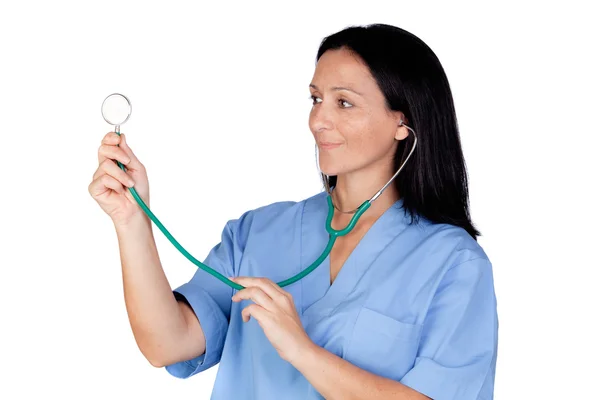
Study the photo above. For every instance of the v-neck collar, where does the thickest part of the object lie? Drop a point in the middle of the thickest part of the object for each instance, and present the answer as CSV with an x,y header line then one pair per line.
x,y
317,291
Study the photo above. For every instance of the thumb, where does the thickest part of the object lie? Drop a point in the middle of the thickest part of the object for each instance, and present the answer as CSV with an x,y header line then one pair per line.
x,y
123,143
135,163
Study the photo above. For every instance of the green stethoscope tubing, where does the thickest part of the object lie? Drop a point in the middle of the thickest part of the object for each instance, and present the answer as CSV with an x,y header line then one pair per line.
x,y
333,235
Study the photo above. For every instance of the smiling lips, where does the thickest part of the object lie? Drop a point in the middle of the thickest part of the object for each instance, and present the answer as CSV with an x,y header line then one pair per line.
x,y
328,145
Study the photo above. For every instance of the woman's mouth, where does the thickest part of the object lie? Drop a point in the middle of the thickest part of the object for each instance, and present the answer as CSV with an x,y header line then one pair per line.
x,y
328,145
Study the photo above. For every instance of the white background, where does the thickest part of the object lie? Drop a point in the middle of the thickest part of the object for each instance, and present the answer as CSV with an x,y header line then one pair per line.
x,y
220,119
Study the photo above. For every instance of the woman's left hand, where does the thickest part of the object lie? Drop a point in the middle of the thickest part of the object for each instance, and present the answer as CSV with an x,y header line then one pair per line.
x,y
275,312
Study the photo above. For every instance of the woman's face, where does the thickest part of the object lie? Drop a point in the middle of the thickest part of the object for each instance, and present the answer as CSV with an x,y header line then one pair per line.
x,y
349,119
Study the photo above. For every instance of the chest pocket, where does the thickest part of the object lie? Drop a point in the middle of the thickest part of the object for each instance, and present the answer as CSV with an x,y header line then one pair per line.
x,y
383,345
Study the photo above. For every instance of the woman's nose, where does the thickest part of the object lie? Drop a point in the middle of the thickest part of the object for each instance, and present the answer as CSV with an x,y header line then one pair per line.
x,y
320,118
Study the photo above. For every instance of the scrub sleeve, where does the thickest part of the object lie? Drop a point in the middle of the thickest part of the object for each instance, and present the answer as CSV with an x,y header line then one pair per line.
x,y
210,299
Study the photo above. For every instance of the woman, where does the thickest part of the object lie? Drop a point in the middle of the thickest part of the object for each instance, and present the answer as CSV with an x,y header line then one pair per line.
x,y
404,307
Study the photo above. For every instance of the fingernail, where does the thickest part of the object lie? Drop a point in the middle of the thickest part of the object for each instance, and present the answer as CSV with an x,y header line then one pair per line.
x,y
131,183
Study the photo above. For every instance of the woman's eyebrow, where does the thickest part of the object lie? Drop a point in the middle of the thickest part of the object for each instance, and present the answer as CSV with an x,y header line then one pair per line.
x,y
337,88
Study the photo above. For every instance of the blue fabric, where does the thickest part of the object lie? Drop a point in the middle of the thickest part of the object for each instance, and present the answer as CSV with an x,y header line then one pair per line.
x,y
413,302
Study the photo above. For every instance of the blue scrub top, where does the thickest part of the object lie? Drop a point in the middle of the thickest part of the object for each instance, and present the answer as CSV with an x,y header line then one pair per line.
x,y
414,303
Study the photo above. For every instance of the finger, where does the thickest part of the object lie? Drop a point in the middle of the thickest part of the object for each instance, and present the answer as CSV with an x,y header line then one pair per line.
x,y
104,183
120,141
257,295
112,152
256,311
280,296
270,287
110,168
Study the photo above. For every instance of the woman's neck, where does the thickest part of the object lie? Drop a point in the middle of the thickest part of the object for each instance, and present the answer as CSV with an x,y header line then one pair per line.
x,y
351,190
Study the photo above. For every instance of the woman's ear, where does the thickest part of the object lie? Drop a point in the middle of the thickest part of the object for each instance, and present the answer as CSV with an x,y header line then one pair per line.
x,y
401,131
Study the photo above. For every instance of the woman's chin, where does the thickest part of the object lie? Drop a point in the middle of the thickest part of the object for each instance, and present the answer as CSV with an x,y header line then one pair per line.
x,y
331,173
329,170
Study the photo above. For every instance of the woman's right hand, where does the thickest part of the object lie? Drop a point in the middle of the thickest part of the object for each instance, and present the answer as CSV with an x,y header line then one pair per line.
x,y
110,184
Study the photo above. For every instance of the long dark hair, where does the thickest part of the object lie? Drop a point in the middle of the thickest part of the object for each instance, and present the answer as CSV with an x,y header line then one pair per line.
x,y
433,183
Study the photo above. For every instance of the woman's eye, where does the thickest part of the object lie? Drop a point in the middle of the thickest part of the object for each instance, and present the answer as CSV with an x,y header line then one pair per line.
x,y
342,102
314,99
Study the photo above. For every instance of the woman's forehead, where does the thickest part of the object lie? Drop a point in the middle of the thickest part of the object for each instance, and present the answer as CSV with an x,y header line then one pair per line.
x,y
341,69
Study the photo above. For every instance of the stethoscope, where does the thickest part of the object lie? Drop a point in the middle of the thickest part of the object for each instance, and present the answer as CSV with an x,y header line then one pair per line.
x,y
117,107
